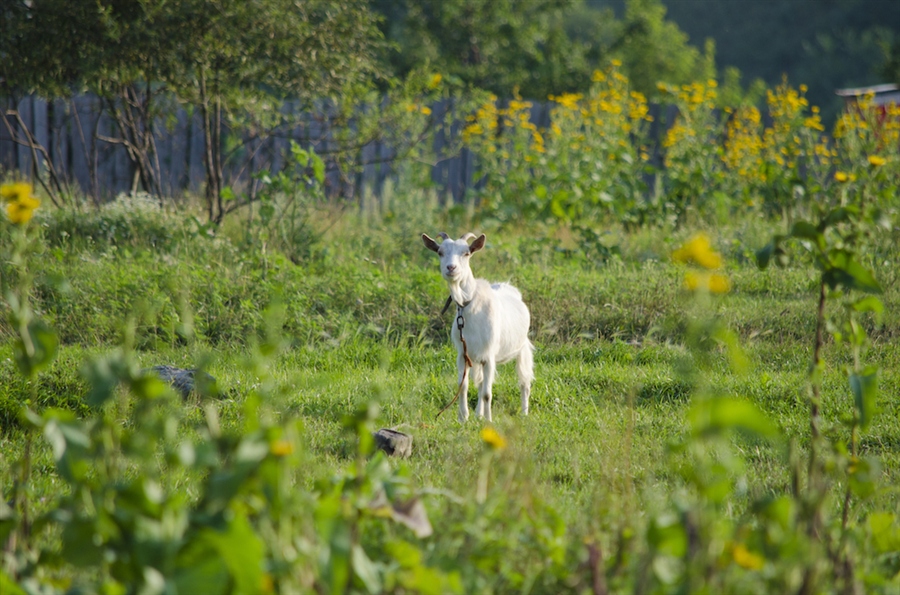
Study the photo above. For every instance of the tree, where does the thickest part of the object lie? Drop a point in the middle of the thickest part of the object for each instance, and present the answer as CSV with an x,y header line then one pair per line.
x,y
496,45
655,50
236,57
221,57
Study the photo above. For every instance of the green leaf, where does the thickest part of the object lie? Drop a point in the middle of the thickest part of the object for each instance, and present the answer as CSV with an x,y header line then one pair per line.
x,y
764,255
885,534
806,231
104,375
199,569
8,586
838,215
667,535
266,212
865,390
44,345
870,303
242,551
863,475
718,415
365,570
844,270
404,553
318,168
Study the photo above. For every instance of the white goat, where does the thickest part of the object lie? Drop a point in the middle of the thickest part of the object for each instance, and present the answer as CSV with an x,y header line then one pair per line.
x,y
494,322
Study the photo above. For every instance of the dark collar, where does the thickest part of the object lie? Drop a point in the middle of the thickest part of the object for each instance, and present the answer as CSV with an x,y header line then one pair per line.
x,y
450,301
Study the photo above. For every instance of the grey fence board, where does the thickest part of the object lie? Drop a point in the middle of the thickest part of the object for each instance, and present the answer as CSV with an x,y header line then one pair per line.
x,y
41,127
22,149
59,138
196,149
79,139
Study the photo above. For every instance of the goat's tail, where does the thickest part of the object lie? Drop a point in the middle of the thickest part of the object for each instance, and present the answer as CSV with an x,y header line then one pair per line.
x,y
525,365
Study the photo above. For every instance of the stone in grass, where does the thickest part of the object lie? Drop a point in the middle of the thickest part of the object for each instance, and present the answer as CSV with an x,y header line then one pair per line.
x,y
183,380
394,443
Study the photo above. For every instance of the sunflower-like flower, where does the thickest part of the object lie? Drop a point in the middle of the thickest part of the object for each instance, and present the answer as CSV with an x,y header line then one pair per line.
x,y
493,439
711,282
877,160
20,203
698,250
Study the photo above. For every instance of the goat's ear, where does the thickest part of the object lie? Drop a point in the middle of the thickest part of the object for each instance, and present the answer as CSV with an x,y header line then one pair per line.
x,y
429,243
478,244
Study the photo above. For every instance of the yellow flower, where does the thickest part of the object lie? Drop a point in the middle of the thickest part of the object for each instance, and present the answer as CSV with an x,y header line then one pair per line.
x,y
436,79
20,203
493,439
745,558
876,160
15,192
425,110
840,176
281,448
697,250
711,282
719,283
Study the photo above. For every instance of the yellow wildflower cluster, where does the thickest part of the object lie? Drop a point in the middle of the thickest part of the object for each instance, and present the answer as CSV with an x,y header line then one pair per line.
x,y
743,150
795,135
20,203
602,128
698,251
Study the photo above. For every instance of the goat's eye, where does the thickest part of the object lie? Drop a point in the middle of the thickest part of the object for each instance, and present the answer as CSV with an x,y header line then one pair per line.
x,y
440,252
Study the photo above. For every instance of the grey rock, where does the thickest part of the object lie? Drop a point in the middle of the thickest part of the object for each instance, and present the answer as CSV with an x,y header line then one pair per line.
x,y
394,443
184,380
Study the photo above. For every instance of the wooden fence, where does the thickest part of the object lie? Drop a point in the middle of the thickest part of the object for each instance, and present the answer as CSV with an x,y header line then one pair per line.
x,y
72,130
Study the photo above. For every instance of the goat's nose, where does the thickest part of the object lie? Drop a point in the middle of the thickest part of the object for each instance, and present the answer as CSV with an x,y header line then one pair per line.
x,y
451,268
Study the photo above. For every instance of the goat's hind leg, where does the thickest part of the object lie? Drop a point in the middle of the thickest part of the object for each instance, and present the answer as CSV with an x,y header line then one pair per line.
x,y
476,375
525,372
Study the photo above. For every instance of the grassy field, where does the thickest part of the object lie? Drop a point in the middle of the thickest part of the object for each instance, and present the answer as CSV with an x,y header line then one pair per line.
x,y
605,457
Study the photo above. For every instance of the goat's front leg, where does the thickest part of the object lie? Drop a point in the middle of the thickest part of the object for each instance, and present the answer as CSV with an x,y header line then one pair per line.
x,y
462,384
489,370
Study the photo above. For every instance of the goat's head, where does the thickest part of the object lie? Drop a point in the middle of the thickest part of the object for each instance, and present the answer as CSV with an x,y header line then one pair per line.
x,y
455,253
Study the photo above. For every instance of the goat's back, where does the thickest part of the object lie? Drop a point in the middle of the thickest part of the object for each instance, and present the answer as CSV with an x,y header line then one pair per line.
x,y
507,334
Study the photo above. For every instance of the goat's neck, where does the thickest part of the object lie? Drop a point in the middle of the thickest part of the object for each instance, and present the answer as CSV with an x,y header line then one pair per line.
x,y
463,290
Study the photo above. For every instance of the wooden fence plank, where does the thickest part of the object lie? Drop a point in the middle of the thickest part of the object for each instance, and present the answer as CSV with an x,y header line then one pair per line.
x,y
41,129
196,170
105,156
8,155
59,139
23,160
79,139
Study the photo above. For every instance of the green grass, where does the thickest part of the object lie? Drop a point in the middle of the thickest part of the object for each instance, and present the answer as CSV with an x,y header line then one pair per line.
x,y
361,322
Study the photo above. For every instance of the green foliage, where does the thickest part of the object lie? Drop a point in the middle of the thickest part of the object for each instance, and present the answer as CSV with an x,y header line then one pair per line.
x,y
661,453
488,44
655,50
